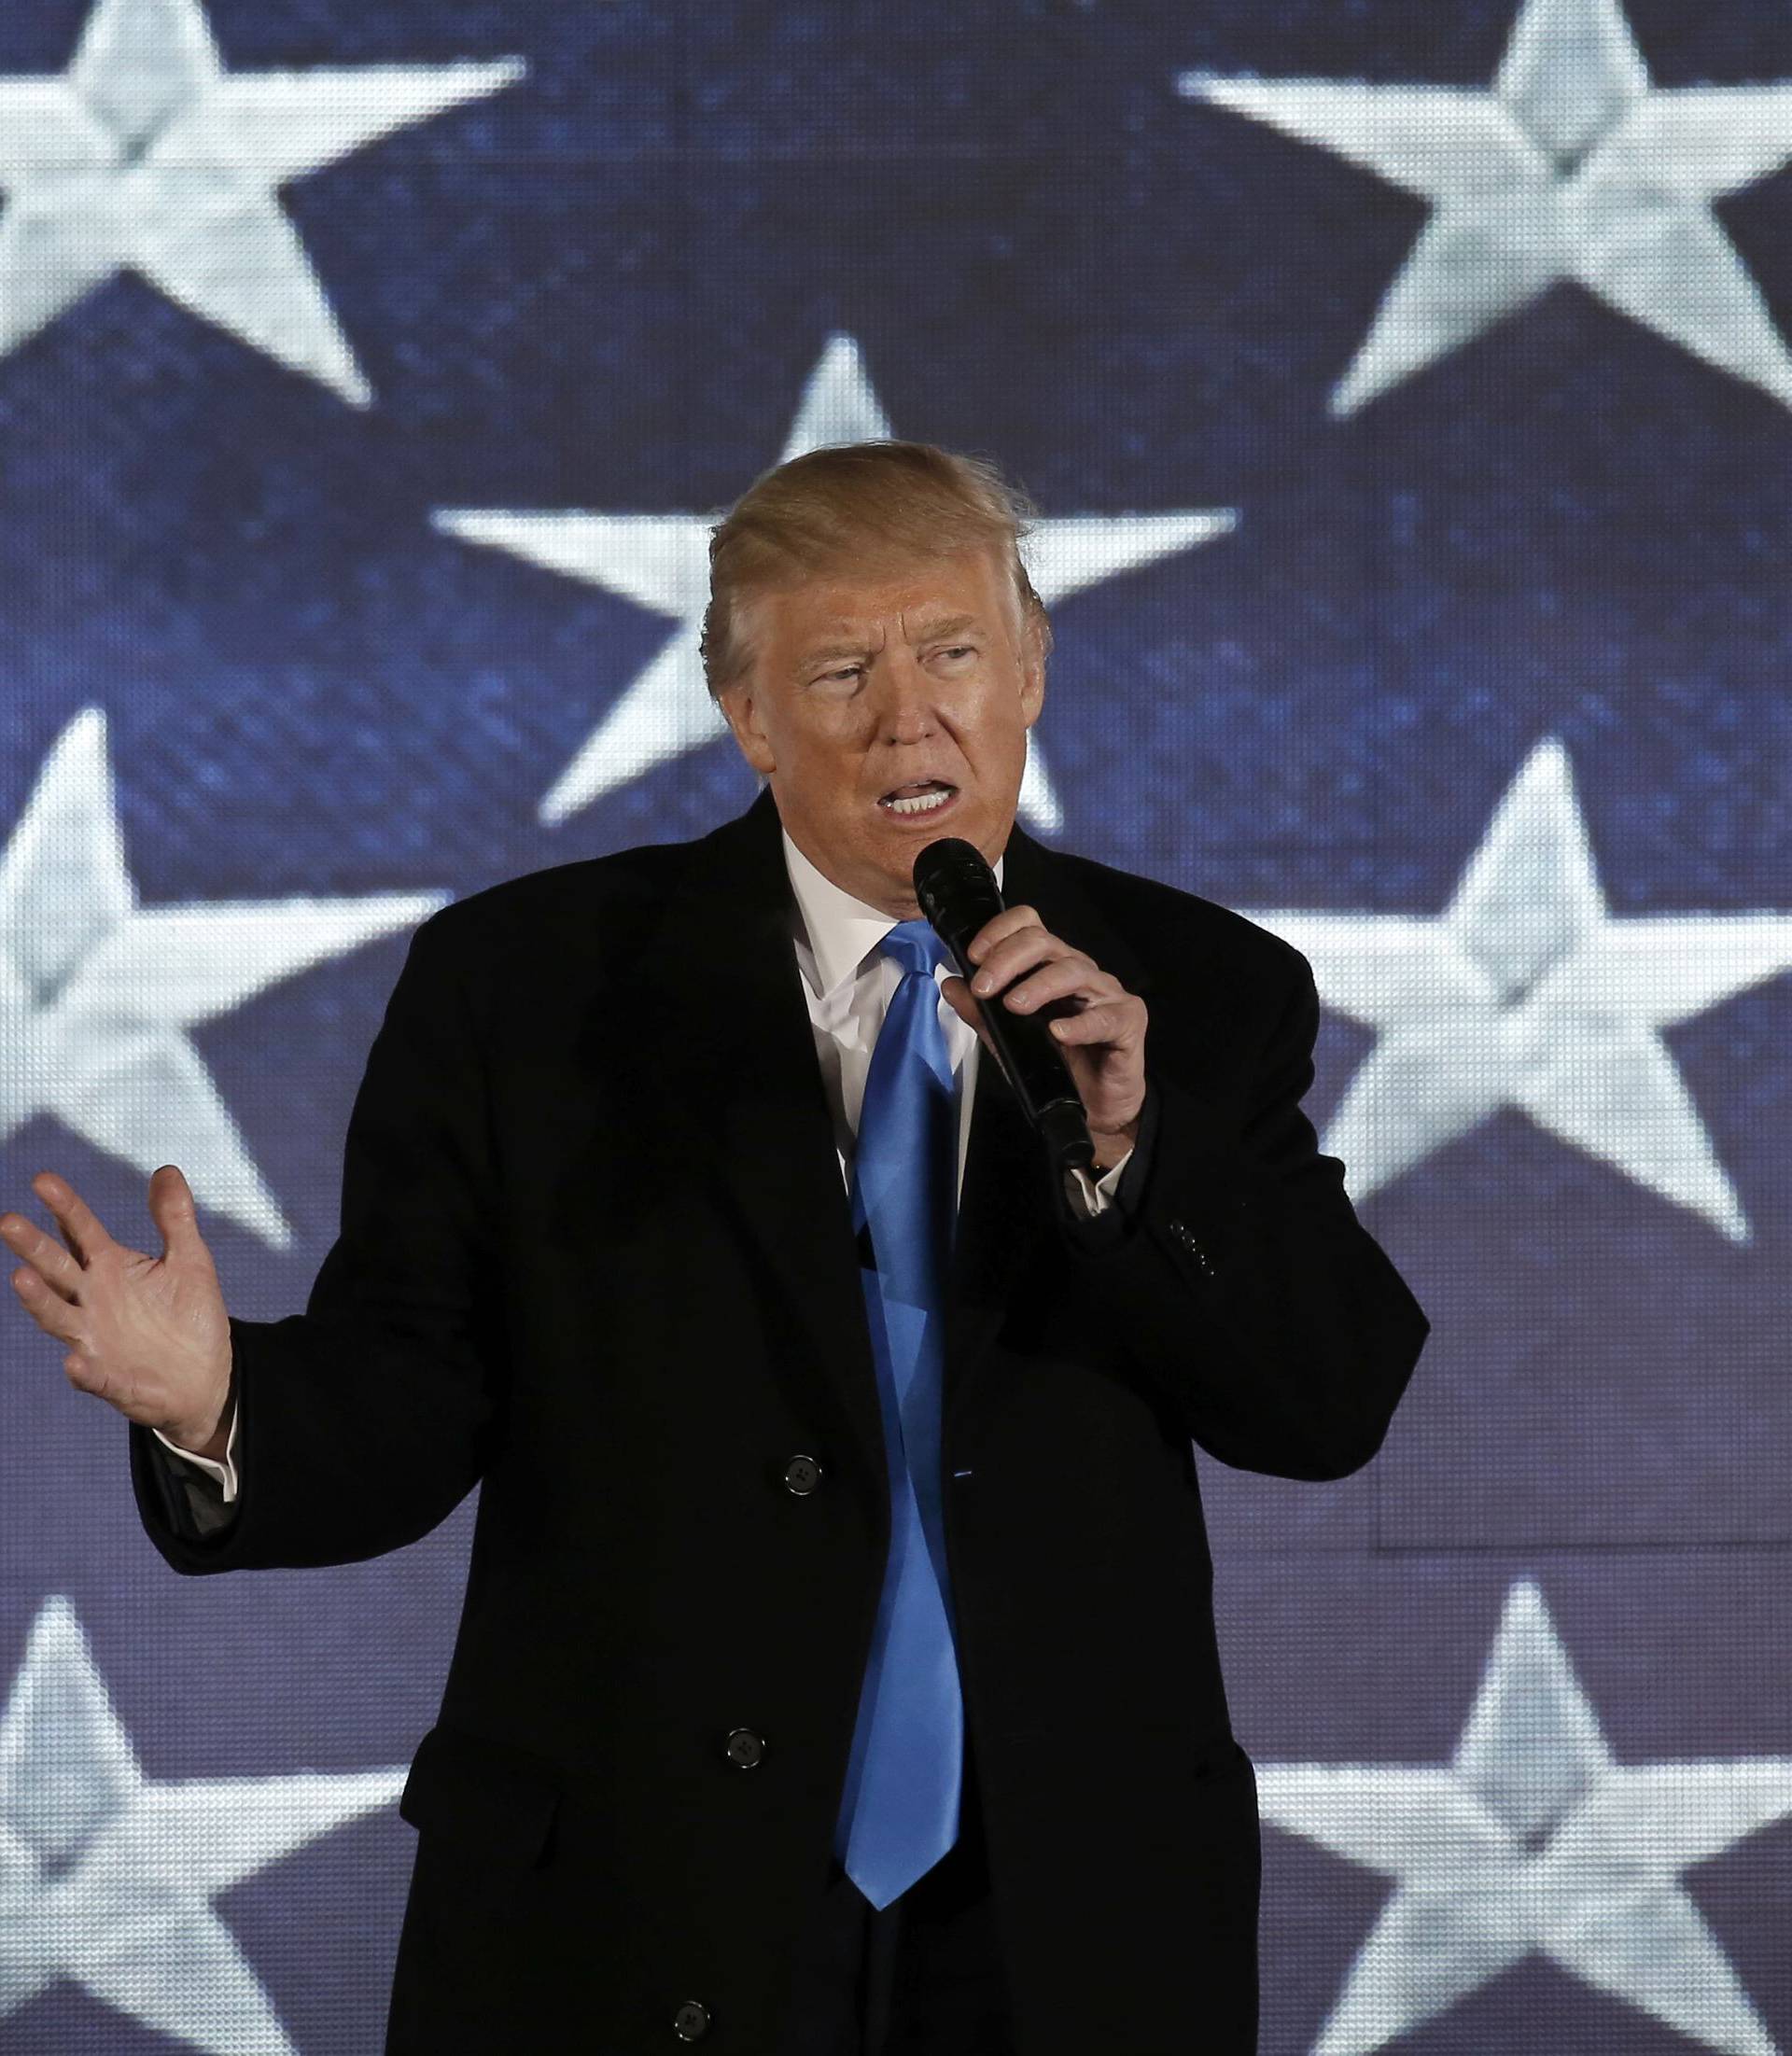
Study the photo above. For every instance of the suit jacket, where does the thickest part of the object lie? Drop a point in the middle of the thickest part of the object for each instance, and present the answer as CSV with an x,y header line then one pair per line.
x,y
595,1257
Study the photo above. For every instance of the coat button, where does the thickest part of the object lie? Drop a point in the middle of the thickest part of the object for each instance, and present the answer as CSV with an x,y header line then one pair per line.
x,y
691,2020
1181,1231
742,1748
801,1473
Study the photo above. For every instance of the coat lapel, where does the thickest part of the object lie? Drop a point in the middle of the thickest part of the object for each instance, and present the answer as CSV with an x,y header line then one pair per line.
x,y
738,1056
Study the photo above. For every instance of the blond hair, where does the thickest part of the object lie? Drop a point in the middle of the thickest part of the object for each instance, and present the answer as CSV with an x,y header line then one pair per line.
x,y
850,505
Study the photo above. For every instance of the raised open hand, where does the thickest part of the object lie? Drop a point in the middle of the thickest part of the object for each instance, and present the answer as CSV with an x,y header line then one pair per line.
x,y
148,1335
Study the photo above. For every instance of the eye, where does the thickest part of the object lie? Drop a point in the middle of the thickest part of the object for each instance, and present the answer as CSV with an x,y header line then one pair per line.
x,y
957,652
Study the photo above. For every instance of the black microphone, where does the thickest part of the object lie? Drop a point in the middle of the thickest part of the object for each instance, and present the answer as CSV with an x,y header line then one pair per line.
x,y
959,894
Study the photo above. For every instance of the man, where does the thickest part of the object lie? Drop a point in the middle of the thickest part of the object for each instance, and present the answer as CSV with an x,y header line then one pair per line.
x,y
837,1673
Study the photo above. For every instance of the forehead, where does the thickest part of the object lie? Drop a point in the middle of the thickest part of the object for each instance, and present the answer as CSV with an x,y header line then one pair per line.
x,y
893,599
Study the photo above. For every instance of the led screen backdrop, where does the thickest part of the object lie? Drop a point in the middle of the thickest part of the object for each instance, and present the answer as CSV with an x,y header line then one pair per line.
x,y
1406,389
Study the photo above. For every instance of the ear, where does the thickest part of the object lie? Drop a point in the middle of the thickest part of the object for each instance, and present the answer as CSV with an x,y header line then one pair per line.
x,y
1032,669
739,705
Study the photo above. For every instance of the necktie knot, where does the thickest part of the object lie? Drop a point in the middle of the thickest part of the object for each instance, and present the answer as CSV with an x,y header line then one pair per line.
x,y
915,946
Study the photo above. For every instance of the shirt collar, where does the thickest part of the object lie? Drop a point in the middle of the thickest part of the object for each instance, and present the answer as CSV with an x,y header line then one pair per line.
x,y
841,931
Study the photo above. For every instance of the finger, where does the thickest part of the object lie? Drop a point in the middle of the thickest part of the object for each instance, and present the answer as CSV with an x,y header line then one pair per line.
x,y
957,997
79,1223
48,1309
1017,954
1119,1022
54,1265
1009,922
173,1210
1064,978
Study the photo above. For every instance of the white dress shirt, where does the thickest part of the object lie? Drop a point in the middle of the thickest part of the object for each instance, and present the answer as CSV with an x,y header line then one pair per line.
x,y
849,984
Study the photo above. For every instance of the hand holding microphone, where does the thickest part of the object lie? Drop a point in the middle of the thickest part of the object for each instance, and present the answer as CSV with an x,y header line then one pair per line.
x,y
1067,1035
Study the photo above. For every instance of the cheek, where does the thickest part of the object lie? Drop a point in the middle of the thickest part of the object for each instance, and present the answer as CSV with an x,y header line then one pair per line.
x,y
823,767
997,733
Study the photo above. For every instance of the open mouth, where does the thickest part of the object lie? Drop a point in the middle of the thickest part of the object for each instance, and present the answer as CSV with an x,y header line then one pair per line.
x,y
919,798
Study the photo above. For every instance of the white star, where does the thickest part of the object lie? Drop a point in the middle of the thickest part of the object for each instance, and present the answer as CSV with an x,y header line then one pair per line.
x,y
1535,1841
106,1878
95,990
1571,167
1527,992
146,156
662,563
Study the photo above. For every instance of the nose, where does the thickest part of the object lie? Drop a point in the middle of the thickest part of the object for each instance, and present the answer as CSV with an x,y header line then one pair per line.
x,y
905,705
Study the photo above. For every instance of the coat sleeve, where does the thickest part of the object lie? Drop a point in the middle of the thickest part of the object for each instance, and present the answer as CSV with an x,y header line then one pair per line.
x,y
364,1422
1239,1280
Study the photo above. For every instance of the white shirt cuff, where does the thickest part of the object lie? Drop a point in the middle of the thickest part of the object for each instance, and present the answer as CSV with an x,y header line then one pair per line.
x,y
223,1474
1091,1196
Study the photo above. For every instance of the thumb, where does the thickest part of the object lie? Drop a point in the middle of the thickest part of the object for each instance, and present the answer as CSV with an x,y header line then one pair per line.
x,y
958,998
172,1209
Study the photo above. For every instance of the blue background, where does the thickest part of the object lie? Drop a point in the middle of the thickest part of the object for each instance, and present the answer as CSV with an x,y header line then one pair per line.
x,y
604,287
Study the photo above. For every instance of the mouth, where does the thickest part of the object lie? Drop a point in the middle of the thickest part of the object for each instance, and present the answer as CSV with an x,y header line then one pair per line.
x,y
920,800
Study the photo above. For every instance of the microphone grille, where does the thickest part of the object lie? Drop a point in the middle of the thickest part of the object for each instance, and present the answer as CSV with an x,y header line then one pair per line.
x,y
950,853
955,887
949,861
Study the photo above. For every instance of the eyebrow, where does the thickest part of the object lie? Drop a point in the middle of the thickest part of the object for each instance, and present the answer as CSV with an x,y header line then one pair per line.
x,y
827,652
847,645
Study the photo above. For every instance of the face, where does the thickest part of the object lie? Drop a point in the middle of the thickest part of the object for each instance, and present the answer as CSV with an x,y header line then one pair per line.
x,y
890,710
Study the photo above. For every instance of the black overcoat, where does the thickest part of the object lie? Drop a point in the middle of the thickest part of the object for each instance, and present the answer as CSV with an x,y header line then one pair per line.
x,y
595,1257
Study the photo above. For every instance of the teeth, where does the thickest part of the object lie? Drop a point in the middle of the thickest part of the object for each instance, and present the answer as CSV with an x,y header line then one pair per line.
x,y
923,802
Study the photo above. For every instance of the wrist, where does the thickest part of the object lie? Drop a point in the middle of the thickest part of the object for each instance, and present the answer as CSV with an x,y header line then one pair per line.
x,y
1111,1146
213,1443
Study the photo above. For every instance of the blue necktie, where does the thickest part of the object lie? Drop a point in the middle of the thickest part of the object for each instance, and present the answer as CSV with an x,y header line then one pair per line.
x,y
900,1813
